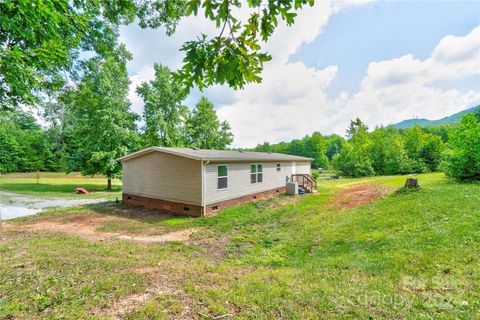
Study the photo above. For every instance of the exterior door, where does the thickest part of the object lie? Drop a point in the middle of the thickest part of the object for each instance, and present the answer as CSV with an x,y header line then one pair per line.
x,y
294,167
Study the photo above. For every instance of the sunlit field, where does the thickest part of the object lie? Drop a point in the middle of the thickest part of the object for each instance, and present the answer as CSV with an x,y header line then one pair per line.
x,y
410,255
59,185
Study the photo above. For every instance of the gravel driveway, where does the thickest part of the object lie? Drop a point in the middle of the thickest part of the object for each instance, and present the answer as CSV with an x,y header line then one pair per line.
x,y
14,205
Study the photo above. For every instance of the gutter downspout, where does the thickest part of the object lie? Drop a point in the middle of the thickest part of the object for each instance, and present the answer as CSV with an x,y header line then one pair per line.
x,y
203,185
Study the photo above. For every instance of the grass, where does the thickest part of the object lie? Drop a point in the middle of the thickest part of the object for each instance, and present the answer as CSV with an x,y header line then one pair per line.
x,y
412,255
59,185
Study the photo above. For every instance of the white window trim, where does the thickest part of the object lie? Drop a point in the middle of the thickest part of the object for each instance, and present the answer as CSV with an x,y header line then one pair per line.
x,y
228,176
256,173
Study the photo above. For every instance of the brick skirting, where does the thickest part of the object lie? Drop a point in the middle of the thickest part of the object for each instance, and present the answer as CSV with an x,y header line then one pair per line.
x,y
169,206
215,207
193,210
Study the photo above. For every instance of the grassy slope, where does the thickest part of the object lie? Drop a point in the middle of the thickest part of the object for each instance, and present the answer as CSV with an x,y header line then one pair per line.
x,y
59,185
406,256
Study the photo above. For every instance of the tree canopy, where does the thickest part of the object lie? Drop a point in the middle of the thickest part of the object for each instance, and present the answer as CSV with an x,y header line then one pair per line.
x,y
204,129
41,40
383,151
102,125
463,161
163,113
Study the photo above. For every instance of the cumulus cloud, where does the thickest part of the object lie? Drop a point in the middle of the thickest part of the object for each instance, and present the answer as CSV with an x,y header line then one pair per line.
x,y
400,88
292,101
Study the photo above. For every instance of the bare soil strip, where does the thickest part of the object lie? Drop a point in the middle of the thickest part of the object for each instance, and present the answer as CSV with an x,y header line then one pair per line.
x,y
86,228
357,195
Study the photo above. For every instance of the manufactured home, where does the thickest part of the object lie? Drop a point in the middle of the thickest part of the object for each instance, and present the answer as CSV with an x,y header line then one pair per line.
x,y
200,182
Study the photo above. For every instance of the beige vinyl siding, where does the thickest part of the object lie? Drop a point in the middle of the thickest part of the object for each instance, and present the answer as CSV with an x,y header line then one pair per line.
x,y
303,168
163,176
239,179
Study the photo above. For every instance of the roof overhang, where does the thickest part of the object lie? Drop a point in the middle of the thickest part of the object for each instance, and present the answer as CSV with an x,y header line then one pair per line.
x,y
153,149
219,159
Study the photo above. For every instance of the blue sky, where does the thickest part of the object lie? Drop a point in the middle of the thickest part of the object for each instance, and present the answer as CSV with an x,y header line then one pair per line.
x,y
385,30
381,61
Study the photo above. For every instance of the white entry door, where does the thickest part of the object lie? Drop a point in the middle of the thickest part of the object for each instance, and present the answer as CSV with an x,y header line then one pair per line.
x,y
294,167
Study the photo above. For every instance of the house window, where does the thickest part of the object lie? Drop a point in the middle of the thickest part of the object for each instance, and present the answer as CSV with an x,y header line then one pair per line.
x,y
256,173
222,177
279,168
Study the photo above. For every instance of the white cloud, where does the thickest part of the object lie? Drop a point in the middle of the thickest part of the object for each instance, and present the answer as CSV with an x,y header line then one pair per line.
x,y
309,23
291,101
400,88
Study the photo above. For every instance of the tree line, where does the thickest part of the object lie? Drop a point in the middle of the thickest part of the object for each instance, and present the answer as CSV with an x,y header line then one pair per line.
x,y
451,148
89,124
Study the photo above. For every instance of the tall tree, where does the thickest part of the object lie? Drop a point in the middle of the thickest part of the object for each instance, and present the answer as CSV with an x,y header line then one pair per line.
x,y
334,145
463,162
163,114
357,129
387,152
42,39
24,144
354,160
205,131
103,127
316,148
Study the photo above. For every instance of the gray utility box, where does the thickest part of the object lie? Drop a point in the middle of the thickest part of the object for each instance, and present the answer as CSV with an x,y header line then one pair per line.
x,y
292,187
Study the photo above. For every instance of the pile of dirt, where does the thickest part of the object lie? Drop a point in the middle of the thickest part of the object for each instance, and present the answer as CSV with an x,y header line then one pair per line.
x,y
357,195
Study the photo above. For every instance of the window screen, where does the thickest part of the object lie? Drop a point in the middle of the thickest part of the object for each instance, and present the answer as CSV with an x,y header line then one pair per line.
x,y
222,174
256,173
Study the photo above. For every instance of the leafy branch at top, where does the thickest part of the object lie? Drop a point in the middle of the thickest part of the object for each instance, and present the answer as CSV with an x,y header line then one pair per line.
x,y
40,40
235,59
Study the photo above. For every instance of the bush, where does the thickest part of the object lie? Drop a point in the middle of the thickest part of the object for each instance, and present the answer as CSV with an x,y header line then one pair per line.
x,y
315,174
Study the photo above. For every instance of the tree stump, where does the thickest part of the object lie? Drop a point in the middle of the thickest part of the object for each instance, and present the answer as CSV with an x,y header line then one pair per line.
x,y
411,183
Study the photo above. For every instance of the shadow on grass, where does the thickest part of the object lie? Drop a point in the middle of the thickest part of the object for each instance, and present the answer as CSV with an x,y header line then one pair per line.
x,y
137,213
61,188
235,217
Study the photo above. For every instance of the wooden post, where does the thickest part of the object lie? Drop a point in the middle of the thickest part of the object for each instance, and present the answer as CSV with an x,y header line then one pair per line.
x,y
411,183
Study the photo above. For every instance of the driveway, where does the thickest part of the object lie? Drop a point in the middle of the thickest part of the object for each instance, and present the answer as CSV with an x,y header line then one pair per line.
x,y
14,205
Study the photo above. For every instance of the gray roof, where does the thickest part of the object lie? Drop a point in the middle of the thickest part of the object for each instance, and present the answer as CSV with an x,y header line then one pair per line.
x,y
218,155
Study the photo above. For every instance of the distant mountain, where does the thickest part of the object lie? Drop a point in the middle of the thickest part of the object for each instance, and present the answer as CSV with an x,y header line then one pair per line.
x,y
426,123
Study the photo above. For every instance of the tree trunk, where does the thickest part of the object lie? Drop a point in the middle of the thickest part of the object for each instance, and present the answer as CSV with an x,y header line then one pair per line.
x,y
411,183
109,184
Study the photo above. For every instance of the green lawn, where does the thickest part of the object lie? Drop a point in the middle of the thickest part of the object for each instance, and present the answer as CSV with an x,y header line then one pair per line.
x,y
413,255
59,185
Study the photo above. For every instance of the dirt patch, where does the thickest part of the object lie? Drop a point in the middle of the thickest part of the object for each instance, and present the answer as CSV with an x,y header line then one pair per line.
x,y
86,227
78,226
167,282
163,282
358,195
215,250
182,235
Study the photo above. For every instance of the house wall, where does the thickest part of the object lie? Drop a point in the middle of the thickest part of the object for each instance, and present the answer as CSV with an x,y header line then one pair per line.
x,y
159,175
239,179
304,167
